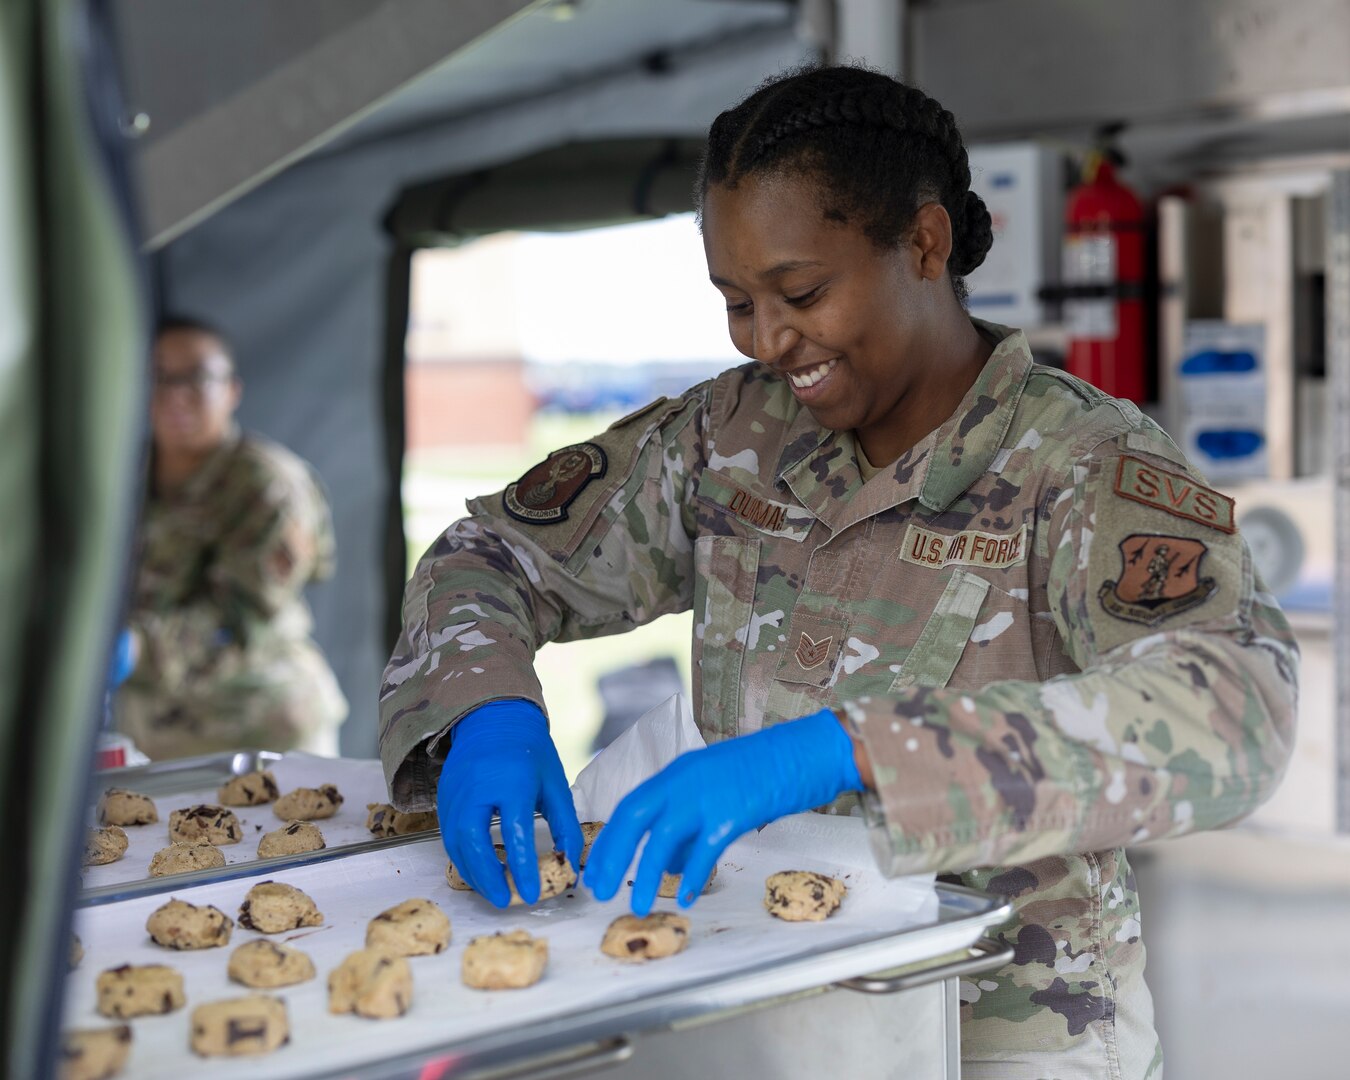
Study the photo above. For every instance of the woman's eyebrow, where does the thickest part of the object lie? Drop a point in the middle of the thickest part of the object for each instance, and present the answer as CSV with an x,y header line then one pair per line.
x,y
773,271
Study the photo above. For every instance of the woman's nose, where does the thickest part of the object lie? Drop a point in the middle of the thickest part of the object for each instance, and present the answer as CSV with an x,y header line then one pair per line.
x,y
773,337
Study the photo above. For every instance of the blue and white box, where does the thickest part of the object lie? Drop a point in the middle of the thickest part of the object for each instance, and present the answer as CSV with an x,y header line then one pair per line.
x,y
1222,385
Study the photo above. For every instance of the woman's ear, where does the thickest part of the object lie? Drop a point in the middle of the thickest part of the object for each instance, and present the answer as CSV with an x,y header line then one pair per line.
x,y
932,239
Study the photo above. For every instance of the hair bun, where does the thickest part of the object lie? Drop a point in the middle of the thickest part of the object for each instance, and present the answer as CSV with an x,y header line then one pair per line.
x,y
974,236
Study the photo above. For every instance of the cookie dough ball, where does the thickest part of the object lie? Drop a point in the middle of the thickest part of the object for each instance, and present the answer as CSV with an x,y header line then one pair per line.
x,y
139,990
249,789
372,983
455,879
118,806
182,858
556,876
662,933
76,951
94,1053
589,831
504,961
308,804
383,820
214,824
291,839
272,907
104,845
269,964
256,1024
180,925
803,895
413,928
670,884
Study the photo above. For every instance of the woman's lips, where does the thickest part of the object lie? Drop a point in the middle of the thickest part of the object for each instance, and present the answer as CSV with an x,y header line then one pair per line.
x,y
810,383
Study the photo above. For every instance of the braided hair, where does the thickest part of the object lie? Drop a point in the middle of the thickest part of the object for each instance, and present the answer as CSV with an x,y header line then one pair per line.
x,y
877,148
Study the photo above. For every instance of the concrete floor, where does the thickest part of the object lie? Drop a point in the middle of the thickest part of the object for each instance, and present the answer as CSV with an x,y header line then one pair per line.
x,y
1249,954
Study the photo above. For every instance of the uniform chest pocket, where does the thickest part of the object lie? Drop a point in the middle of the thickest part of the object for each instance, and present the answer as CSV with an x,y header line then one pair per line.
x,y
946,634
726,569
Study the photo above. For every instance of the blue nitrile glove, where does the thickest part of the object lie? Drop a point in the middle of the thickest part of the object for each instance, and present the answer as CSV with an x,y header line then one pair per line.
x,y
123,660
703,800
501,758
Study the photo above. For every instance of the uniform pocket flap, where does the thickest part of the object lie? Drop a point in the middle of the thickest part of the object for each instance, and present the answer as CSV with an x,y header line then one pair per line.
x,y
945,634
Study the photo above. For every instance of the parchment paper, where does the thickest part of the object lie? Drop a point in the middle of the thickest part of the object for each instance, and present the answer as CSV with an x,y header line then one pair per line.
x,y
730,930
656,739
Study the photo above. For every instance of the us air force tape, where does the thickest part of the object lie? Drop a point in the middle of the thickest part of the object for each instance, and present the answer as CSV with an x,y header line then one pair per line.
x,y
542,495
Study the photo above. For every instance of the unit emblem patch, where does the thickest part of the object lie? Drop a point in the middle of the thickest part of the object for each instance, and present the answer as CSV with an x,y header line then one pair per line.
x,y
542,495
1159,578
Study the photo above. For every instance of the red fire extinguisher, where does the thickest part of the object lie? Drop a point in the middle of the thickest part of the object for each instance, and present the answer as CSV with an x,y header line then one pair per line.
x,y
1104,279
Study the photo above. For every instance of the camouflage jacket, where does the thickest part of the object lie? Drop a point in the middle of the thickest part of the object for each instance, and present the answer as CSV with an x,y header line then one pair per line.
x,y
1041,624
226,659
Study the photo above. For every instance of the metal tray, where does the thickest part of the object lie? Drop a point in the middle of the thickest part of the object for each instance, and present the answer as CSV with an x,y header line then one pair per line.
x,y
200,776
560,1036
181,775
584,1044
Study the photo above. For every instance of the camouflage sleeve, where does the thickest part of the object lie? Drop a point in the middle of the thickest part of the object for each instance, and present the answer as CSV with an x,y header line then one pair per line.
x,y
594,540
280,541
1181,718
176,643
278,536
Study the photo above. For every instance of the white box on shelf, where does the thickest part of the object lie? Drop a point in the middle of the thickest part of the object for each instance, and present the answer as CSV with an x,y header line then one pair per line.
x,y
1021,184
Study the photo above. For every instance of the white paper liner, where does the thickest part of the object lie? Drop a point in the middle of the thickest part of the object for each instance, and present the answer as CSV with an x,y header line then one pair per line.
x,y
359,782
656,739
730,931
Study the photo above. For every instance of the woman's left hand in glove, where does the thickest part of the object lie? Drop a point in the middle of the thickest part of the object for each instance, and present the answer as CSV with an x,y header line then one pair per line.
x,y
697,805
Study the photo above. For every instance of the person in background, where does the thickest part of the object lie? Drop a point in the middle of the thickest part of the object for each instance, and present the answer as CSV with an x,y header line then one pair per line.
x,y
234,528
977,600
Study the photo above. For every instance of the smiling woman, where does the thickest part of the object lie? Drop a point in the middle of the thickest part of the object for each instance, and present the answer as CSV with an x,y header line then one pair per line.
x,y
933,583
869,338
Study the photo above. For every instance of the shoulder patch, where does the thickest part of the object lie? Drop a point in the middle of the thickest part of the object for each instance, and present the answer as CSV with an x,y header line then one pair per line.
x,y
1159,577
542,495
1174,494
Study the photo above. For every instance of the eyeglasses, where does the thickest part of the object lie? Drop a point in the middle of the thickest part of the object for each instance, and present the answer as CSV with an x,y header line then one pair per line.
x,y
194,382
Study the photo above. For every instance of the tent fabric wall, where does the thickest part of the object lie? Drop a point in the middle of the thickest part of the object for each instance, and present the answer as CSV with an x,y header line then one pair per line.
x,y
71,407
294,274
297,272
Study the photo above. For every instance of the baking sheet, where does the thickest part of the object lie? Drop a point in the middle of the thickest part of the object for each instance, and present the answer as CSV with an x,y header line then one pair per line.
x,y
730,933
359,781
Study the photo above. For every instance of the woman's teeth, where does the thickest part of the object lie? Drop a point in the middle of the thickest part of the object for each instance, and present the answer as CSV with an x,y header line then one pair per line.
x,y
804,379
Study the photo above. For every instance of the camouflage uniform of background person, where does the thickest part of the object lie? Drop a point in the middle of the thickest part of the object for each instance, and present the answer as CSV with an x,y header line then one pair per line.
x,y
234,528
1042,629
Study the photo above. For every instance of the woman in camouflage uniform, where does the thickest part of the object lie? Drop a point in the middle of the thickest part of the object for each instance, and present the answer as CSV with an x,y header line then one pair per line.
x,y
986,605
